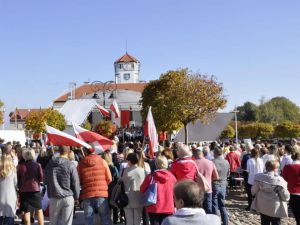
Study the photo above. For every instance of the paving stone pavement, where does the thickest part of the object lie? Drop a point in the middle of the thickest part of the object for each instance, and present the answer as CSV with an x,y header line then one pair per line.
x,y
236,204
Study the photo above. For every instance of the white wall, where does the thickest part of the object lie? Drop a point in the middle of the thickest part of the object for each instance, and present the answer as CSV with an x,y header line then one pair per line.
x,y
134,73
13,135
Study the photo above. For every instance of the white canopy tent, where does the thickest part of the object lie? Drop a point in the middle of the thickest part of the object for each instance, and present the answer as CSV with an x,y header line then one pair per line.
x,y
77,110
205,132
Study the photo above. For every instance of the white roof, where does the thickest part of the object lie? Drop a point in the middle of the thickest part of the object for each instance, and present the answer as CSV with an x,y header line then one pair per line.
x,y
77,110
205,132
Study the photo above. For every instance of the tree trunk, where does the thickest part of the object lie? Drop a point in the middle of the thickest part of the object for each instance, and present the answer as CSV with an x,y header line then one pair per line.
x,y
186,133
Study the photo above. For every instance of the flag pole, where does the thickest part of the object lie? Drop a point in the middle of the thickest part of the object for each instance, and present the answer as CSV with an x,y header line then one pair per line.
x,y
82,152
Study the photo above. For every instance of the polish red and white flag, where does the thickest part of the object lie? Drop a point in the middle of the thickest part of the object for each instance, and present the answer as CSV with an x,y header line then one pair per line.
x,y
100,142
114,107
102,110
59,138
151,133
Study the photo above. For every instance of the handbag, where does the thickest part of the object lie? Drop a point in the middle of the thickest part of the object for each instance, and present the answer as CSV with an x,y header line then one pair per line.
x,y
150,195
200,179
202,182
119,199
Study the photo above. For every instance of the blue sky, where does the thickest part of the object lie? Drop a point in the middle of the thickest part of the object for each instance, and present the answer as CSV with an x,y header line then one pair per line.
x,y
252,47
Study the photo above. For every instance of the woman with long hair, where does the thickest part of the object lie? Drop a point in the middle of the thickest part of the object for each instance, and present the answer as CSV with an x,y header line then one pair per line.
x,y
30,175
167,152
255,165
142,163
8,186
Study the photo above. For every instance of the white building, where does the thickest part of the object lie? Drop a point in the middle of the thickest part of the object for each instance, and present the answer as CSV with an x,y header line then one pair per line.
x,y
126,89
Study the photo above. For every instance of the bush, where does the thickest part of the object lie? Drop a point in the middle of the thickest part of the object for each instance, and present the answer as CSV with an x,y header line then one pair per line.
x,y
228,132
87,125
287,129
256,130
106,129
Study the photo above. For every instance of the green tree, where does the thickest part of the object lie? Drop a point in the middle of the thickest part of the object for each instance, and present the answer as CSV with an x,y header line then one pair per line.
x,y
278,110
185,97
287,129
1,113
228,132
248,112
36,120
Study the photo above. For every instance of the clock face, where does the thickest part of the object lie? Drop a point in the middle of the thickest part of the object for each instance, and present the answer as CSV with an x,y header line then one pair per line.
x,y
126,76
126,66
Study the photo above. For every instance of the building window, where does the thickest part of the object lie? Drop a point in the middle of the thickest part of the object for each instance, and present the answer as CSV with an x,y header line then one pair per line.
x,y
132,65
121,66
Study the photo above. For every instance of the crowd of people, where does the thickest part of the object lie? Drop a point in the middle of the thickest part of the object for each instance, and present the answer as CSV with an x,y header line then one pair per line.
x,y
181,185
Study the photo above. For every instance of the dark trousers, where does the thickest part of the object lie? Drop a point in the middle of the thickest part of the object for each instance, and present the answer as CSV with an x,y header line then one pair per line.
x,y
145,217
157,218
115,212
248,189
295,206
267,220
6,220
249,194
232,181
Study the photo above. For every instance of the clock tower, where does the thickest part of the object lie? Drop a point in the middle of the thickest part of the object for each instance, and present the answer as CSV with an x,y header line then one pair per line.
x,y
127,69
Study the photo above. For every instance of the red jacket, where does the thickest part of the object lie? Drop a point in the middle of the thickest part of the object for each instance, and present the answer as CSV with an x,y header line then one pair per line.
x,y
94,175
291,173
184,168
234,161
165,182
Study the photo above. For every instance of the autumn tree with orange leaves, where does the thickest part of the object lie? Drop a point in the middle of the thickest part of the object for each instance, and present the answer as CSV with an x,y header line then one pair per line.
x,y
36,120
182,96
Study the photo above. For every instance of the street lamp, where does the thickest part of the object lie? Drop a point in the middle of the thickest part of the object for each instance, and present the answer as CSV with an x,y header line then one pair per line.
x,y
235,111
3,114
105,86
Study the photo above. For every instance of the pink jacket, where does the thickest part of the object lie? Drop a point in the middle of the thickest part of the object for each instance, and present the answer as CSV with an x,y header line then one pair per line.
x,y
165,182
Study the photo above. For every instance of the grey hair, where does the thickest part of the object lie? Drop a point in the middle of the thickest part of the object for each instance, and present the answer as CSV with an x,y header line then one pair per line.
x,y
28,154
161,162
249,147
183,151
